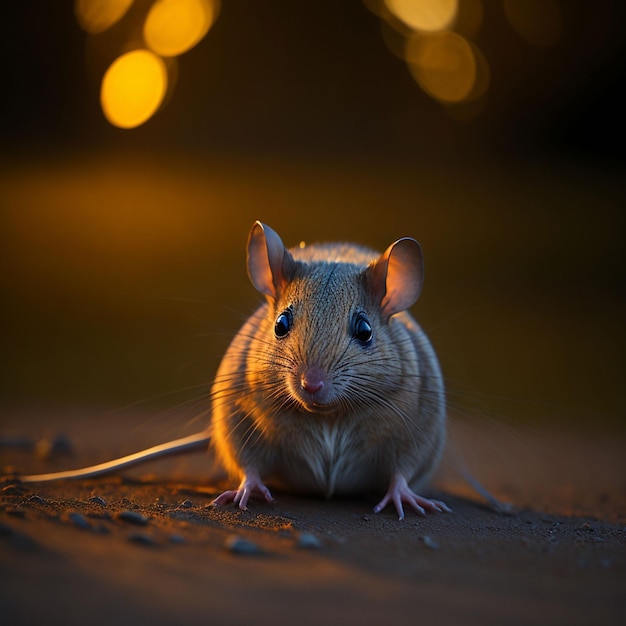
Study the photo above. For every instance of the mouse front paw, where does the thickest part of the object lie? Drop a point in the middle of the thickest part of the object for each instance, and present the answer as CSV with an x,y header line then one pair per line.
x,y
399,492
251,485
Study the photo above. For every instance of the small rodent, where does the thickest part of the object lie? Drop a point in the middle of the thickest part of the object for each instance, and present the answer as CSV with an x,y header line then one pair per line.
x,y
330,387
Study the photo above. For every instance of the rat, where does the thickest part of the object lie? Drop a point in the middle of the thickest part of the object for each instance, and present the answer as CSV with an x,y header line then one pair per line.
x,y
330,388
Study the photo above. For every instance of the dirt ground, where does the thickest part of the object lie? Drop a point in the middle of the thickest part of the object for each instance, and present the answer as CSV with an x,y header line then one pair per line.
x,y
149,548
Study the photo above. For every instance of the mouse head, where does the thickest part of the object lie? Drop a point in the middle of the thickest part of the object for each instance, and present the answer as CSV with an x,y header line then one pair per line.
x,y
330,311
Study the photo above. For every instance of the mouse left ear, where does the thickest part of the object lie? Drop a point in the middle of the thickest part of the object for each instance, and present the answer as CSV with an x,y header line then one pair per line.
x,y
396,278
270,266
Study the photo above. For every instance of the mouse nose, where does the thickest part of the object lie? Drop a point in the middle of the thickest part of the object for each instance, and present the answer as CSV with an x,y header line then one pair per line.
x,y
312,381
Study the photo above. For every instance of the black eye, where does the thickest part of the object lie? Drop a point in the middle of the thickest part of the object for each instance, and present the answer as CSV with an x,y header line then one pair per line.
x,y
283,324
362,330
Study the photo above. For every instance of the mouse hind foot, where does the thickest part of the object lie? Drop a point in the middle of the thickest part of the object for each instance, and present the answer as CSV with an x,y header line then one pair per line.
x,y
399,492
251,485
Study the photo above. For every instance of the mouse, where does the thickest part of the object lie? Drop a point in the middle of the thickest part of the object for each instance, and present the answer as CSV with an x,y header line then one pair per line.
x,y
329,388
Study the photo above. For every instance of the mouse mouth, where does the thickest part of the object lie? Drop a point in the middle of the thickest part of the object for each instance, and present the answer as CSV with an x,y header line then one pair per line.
x,y
311,406
313,402
313,390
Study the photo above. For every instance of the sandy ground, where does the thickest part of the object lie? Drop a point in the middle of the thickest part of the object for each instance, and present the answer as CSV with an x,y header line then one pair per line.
x,y
149,548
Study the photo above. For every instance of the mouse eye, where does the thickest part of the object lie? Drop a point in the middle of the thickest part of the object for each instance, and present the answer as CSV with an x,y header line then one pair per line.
x,y
362,331
283,324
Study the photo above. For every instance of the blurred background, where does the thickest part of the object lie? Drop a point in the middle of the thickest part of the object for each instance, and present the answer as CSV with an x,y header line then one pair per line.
x,y
140,141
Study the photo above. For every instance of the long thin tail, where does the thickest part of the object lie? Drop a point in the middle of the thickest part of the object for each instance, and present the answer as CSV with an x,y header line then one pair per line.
x,y
460,465
177,446
496,505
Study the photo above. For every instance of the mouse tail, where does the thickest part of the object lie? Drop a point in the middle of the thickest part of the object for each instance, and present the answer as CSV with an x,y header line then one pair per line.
x,y
177,446
498,506
461,467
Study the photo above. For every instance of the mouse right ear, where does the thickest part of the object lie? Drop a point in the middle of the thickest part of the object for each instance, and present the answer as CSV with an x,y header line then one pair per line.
x,y
270,266
396,277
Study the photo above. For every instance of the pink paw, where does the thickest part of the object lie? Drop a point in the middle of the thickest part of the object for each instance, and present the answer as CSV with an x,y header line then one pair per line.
x,y
399,492
251,485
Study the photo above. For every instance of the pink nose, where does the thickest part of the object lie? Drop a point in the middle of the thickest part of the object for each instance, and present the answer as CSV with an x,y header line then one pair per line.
x,y
312,381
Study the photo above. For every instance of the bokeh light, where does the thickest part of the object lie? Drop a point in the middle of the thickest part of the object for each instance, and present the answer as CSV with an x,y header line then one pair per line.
x,y
96,16
424,15
443,64
133,88
174,26
539,22
434,38
136,84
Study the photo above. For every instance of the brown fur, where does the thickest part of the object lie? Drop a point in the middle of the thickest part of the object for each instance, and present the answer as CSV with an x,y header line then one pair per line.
x,y
386,412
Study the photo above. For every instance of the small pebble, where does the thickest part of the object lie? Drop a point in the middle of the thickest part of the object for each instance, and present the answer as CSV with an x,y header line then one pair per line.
x,y
98,500
78,519
239,545
429,543
132,517
142,539
36,499
186,504
60,445
308,542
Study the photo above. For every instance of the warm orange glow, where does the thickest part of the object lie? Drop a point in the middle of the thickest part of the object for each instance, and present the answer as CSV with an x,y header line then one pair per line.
x,y
174,26
540,22
95,16
443,64
133,88
425,15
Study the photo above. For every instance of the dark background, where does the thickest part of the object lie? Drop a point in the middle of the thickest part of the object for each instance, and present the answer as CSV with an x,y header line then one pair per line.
x,y
123,273
316,77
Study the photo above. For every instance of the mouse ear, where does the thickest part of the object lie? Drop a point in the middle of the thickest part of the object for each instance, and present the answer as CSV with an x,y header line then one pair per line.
x,y
270,266
396,277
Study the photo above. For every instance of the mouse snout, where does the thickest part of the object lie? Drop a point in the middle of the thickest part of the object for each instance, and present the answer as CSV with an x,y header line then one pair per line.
x,y
312,387
312,381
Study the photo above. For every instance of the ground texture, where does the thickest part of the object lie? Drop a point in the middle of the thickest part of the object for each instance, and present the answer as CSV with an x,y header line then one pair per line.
x,y
149,548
